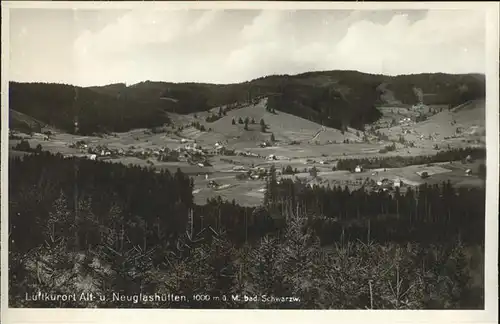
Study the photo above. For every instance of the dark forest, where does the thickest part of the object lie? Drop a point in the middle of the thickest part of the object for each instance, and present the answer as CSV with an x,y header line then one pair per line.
x,y
79,225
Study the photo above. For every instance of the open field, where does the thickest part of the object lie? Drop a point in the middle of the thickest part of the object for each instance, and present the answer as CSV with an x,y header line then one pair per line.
x,y
409,176
245,192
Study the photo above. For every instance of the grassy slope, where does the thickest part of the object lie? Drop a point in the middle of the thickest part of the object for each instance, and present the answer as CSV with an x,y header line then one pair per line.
x,y
469,116
20,121
284,126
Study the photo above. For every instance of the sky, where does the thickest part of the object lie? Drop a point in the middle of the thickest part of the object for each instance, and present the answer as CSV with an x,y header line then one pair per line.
x,y
97,47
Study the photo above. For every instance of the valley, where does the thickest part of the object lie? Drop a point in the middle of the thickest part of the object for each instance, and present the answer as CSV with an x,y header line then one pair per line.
x,y
231,160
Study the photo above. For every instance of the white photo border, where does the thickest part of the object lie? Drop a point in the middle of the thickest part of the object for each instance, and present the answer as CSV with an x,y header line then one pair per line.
x,y
488,315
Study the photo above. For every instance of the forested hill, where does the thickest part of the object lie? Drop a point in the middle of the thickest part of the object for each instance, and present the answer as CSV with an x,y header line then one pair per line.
x,y
333,98
60,105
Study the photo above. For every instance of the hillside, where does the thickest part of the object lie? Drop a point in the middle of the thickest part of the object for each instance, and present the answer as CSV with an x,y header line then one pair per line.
x,y
284,126
60,105
23,122
339,99
464,121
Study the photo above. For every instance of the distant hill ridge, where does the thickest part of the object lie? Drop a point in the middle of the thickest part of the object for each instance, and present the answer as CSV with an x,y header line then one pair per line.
x,y
337,99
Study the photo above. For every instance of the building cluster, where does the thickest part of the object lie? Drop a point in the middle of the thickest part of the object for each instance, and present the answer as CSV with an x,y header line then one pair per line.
x,y
406,121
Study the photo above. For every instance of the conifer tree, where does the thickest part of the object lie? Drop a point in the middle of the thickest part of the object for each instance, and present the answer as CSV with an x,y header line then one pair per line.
x,y
59,219
263,126
299,254
266,274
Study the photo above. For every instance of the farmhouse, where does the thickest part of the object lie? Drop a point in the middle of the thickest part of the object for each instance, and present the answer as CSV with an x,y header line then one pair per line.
x,y
468,172
423,174
271,157
265,144
219,148
212,184
384,182
358,169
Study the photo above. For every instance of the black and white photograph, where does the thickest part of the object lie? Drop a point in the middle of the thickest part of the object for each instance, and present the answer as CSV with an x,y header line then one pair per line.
x,y
246,158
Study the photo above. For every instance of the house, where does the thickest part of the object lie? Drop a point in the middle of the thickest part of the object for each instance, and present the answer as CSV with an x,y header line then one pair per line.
x,y
423,174
384,182
271,157
468,172
397,183
212,184
358,169
92,156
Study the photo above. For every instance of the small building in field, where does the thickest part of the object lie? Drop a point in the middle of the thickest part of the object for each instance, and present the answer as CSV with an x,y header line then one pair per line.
x,y
212,184
423,174
358,169
397,183
468,172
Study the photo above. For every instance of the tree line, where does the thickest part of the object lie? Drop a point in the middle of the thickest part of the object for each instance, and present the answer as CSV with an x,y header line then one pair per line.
x,y
426,214
87,199
456,154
